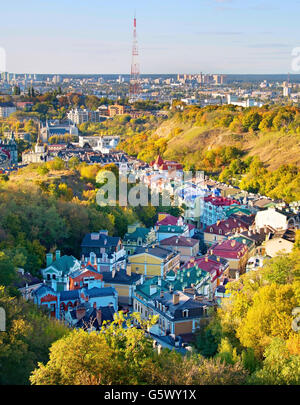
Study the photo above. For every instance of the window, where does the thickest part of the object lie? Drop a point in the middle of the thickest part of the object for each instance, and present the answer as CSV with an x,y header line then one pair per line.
x,y
54,277
185,313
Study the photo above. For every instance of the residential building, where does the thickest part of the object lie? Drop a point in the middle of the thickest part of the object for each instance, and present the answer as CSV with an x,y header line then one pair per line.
x,y
27,284
138,236
61,304
8,151
160,164
86,277
124,282
185,246
215,209
6,109
234,252
104,251
279,243
116,110
154,261
103,144
56,273
221,230
78,116
179,313
277,219
167,231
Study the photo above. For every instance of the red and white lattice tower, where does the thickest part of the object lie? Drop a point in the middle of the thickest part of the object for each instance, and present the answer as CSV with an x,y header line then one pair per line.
x,y
134,86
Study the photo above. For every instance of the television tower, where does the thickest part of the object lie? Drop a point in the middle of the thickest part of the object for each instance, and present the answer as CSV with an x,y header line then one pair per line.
x,y
134,85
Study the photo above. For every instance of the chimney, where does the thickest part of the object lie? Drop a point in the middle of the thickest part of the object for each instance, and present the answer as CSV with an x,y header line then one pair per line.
x,y
80,312
49,259
206,258
161,294
175,298
57,254
99,316
159,281
128,270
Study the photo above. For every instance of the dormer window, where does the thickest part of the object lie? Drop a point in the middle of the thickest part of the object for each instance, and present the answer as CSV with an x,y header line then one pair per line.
x,y
185,313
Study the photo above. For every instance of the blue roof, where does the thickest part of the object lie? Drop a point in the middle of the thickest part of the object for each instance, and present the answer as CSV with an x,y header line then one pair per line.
x,y
69,295
99,292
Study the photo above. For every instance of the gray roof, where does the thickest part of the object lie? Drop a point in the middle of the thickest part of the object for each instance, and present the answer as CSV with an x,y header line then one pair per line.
x,y
120,277
160,252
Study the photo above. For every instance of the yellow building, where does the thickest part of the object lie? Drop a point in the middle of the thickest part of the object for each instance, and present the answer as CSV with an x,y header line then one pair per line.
x,y
154,261
124,281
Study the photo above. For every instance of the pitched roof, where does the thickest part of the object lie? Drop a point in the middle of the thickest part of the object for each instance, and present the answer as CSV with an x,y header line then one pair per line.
x,y
63,264
168,220
179,241
160,252
220,201
121,277
26,278
99,292
90,318
226,226
96,239
171,229
138,233
69,295
229,249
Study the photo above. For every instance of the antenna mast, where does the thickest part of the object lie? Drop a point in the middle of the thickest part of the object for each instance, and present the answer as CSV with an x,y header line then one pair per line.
x,y
134,85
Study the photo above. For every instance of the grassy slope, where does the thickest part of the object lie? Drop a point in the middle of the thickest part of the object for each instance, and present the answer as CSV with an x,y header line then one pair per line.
x,y
273,148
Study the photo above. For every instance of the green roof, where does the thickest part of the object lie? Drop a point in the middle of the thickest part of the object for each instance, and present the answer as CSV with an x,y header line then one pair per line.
x,y
233,209
171,229
244,240
63,264
184,278
138,233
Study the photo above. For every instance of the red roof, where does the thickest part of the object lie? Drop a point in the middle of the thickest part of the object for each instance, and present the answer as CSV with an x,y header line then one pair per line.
x,y
168,220
159,160
226,226
229,249
220,201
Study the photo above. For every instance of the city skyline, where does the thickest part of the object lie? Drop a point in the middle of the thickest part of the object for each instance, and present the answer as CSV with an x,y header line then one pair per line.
x,y
95,38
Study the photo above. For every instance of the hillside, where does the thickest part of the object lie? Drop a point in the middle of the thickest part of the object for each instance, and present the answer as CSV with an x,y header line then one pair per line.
x,y
274,148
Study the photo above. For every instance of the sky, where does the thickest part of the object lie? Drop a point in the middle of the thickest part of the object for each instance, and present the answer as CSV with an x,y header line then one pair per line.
x,y
174,36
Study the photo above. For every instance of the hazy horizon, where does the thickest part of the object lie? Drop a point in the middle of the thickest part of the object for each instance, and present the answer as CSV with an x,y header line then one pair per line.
x,y
219,36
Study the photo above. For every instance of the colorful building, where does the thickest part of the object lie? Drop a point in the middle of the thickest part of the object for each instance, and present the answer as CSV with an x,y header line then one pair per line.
x,y
154,261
